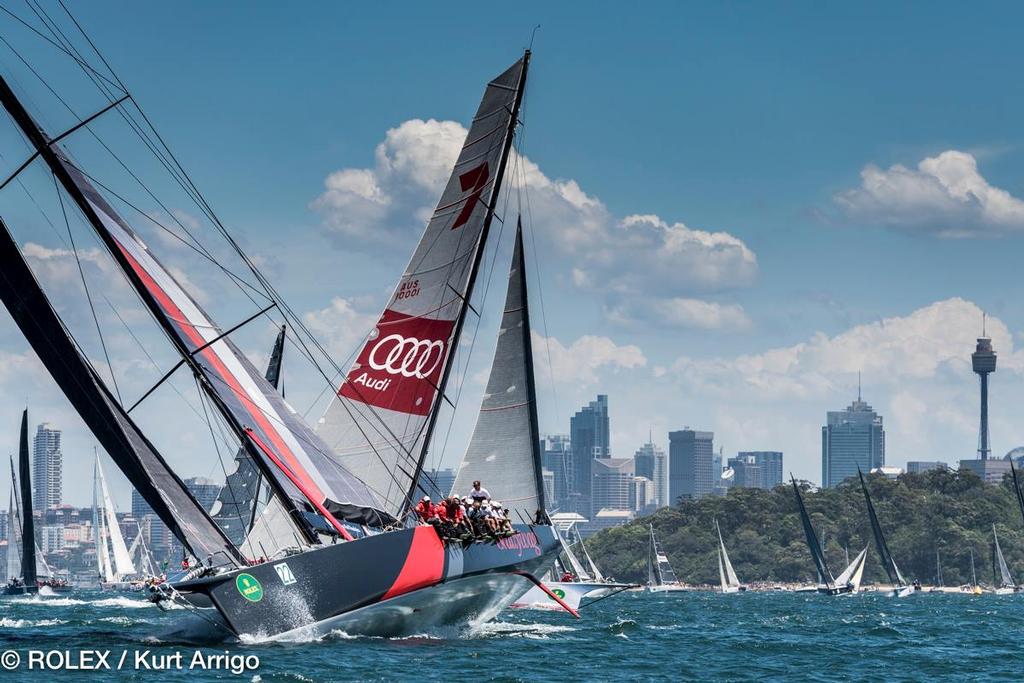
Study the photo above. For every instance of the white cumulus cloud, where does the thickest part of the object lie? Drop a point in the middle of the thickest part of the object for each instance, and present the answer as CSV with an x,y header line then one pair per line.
x,y
945,195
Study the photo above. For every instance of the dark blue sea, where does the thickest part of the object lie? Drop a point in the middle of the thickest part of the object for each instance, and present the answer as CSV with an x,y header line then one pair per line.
x,y
630,637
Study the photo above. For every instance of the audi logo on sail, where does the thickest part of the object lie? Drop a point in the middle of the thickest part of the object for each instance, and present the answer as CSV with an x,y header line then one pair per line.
x,y
407,356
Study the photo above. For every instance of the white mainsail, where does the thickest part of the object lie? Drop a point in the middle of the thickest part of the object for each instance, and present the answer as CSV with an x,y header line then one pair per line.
x,y
853,573
380,420
730,582
122,562
1005,577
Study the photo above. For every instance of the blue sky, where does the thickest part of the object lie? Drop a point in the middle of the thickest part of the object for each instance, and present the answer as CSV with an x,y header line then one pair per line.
x,y
800,135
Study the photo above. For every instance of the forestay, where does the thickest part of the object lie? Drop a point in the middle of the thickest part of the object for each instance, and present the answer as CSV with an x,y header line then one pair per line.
x,y
504,451
380,420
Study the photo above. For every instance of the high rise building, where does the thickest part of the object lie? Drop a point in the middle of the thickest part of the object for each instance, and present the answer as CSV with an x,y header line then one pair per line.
x,y
652,463
757,469
438,483
47,468
589,435
850,439
613,486
691,457
204,490
140,508
557,458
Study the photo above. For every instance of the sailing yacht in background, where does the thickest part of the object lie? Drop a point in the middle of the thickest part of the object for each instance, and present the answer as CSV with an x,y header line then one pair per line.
x,y
1002,579
24,573
849,580
660,576
113,561
727,575
901,587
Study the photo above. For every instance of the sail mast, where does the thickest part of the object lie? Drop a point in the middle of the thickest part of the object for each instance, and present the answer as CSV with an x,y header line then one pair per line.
x,y
460,320
28,533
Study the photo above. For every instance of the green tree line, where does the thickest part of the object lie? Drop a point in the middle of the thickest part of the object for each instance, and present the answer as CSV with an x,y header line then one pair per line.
x,y
944,511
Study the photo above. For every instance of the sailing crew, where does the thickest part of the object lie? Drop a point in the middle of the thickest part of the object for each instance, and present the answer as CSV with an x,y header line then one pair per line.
x,y
479,492
478,518
425,510
455,517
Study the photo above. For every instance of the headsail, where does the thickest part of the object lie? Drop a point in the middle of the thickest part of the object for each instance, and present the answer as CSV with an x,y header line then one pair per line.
x,y
119,559
112,427
504,451
291,453
380,421
726,572
1005,577
13,533
824,575
888,563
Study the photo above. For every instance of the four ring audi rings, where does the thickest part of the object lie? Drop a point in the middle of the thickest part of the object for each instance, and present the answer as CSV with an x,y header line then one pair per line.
x,y
407,356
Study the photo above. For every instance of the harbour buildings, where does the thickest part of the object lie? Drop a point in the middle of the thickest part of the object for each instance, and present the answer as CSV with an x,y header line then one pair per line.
x,y
691,456
851,438
47,468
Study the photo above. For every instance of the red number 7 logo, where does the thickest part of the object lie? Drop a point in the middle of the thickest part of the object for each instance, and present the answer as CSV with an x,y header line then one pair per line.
x,y
474,180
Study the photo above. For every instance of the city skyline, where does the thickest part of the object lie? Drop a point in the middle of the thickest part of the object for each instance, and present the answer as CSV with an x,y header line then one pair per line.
x,y
743,307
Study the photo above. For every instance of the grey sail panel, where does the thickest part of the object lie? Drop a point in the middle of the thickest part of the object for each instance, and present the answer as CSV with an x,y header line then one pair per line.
x,y
236,506
134,455
888,563
504,451
1005,577
812,541
379,422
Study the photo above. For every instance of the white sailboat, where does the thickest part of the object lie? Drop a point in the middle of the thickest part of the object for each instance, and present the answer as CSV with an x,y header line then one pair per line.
x,y
1004,583
113,561
727,575
660,576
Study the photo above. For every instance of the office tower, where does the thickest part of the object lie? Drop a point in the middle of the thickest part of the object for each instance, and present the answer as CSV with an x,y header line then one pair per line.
x,y
204,490
851,438
757,469
557,458
691,470
652,463
47,468
613,487
589,436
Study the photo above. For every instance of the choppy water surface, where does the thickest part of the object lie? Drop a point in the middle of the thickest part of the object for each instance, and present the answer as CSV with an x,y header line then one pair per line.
x,y
689,636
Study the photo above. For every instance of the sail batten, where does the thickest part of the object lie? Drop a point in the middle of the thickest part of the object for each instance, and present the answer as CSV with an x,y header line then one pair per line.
x,y
381,419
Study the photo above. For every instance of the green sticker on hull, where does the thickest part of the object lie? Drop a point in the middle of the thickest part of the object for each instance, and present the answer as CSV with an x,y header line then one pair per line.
x,y
249,587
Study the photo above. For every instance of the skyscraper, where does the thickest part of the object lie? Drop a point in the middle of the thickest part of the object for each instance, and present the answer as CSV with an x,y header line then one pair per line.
x,y
757,469
557,458
589,434
47,468
691,470
652,463
204,490
851,438
613,486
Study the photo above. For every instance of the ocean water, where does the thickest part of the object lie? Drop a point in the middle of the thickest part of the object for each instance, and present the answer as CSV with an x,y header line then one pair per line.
x,y
629,637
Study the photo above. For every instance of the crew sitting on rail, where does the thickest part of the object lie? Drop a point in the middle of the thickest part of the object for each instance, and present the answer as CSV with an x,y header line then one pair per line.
x,y
456,524
425,510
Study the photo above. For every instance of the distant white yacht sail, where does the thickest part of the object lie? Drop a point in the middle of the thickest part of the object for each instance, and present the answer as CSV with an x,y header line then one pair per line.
x,y
1004,582
730,582
113,561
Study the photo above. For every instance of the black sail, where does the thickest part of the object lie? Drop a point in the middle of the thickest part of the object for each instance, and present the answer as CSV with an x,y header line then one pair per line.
x,y
891,570
812,540
136,457
28,526
1016,489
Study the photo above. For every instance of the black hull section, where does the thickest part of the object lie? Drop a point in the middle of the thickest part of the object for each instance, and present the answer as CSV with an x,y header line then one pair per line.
x,y
408,575
32,590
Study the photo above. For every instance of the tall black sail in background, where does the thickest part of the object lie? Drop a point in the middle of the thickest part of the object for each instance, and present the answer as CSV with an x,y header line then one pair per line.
x,y
28,526
812,540
889,564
